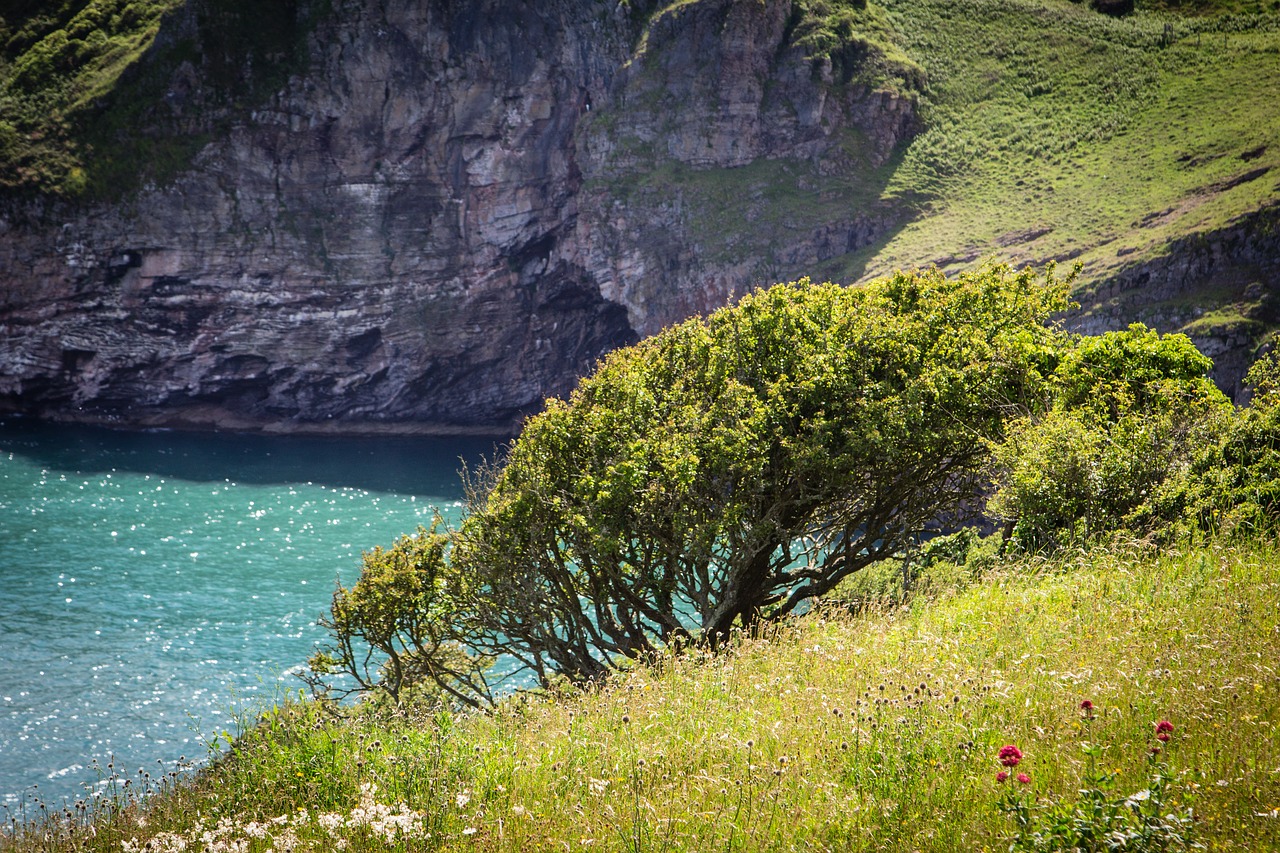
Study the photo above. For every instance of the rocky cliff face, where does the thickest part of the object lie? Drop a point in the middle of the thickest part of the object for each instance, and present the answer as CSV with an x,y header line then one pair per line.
x,y
1217,287
449,215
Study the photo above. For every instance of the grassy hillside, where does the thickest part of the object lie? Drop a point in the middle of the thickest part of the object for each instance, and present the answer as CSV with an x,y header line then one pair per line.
x,y
1059,132
839,732
1051,131
56,60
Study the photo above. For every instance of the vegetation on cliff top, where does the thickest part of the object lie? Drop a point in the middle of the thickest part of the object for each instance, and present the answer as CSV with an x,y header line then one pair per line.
x,y
1059,132
1050,131
57,60
81,113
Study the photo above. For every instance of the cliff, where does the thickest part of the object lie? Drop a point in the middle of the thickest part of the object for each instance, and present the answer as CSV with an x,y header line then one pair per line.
x,y
446,212
1220,287
358,216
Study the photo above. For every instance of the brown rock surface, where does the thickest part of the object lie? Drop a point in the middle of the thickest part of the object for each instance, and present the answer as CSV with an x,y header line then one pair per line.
x,y
450,215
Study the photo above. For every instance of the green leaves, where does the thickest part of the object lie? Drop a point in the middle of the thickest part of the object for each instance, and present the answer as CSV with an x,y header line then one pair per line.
x,y
729,469
1113,448
404,623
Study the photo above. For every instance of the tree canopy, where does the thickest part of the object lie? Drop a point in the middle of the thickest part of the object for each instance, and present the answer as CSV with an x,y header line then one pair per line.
x,y
731,468
1114,445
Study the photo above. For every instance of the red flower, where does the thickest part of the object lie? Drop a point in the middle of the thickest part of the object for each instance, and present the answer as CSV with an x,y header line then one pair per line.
x,y
1024,778
1162,730
1001,776
1010,755
1086,706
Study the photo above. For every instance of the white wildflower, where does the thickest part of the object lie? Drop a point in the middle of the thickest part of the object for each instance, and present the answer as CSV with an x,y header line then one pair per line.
x,y
169,842
287,841
330,822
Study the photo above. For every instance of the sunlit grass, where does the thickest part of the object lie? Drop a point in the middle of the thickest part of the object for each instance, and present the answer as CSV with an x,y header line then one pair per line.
x,y
1057,132
836,732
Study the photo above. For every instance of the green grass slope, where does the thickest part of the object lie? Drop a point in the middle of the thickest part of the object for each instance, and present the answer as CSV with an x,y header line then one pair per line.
x,y
839,732
1051,131
1057,132
56,60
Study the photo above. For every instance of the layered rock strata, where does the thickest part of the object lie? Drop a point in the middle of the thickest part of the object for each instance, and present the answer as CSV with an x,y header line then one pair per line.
x,y
450,214
1221,287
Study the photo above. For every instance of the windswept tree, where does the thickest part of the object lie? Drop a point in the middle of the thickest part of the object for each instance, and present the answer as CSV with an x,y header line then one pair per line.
x,y
398,628
729,469
722,473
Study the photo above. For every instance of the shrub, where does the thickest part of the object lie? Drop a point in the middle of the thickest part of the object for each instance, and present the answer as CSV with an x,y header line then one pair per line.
x,y
943,563
729,469
1129,412
1235,487
398,626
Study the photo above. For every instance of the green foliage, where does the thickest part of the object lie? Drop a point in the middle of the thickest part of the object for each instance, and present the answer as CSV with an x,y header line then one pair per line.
x,y
398,628
943,564
727,470
1264,380
1129,412
1118,372
1235,488
858,40
56,63
1098,820
94,106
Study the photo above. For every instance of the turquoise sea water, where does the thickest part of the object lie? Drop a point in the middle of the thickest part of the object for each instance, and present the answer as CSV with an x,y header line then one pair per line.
x,y
155,585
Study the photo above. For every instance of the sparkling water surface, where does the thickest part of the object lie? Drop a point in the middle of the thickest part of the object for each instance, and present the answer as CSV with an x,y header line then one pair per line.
x,y
156,586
